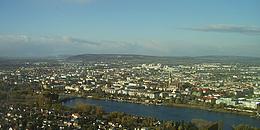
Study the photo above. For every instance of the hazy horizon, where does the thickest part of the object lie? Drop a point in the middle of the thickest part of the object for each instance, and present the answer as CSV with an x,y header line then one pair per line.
x,y
72,55
45,28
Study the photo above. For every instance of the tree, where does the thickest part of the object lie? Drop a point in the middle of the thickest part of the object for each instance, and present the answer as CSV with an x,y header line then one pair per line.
x,y
169,126
244,127
258,107
178,101
99,111
180,127
80,107
3,95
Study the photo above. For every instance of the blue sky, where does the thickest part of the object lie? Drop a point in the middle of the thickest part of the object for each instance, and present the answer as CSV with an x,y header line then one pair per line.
x,y
150,27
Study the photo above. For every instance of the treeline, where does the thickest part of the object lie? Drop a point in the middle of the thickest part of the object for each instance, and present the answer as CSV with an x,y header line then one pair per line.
x,y
132,122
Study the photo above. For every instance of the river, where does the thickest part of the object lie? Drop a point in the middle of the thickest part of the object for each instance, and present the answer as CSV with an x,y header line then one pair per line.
x,y
168,113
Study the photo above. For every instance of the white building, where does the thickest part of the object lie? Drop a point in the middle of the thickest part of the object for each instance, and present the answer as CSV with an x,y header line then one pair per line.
x,y
227,101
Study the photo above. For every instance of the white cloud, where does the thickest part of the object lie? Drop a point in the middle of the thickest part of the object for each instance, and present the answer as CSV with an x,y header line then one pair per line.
x,y
249,30
14,38
20,38
54,45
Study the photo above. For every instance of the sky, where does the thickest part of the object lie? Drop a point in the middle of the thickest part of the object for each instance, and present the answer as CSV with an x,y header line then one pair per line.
x,y
36,28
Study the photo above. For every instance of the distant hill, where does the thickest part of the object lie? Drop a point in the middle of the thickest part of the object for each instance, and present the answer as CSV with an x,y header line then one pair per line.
x,y
10,62
135,59
108,57
165,60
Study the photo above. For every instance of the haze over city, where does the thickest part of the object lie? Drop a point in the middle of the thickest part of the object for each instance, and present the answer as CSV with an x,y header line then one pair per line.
x,y
166,28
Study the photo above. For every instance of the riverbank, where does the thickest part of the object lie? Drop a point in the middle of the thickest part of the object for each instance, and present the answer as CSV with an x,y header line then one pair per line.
x,y
225,110
165,113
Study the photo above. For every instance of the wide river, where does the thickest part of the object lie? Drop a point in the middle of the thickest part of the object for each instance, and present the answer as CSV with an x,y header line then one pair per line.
x,y
168,113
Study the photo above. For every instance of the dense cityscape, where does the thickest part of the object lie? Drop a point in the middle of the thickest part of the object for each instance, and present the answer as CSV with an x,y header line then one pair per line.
x,y
37,90
129,65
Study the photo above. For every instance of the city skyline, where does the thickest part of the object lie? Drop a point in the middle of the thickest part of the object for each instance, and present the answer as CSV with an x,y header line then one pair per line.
x,y
165,28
